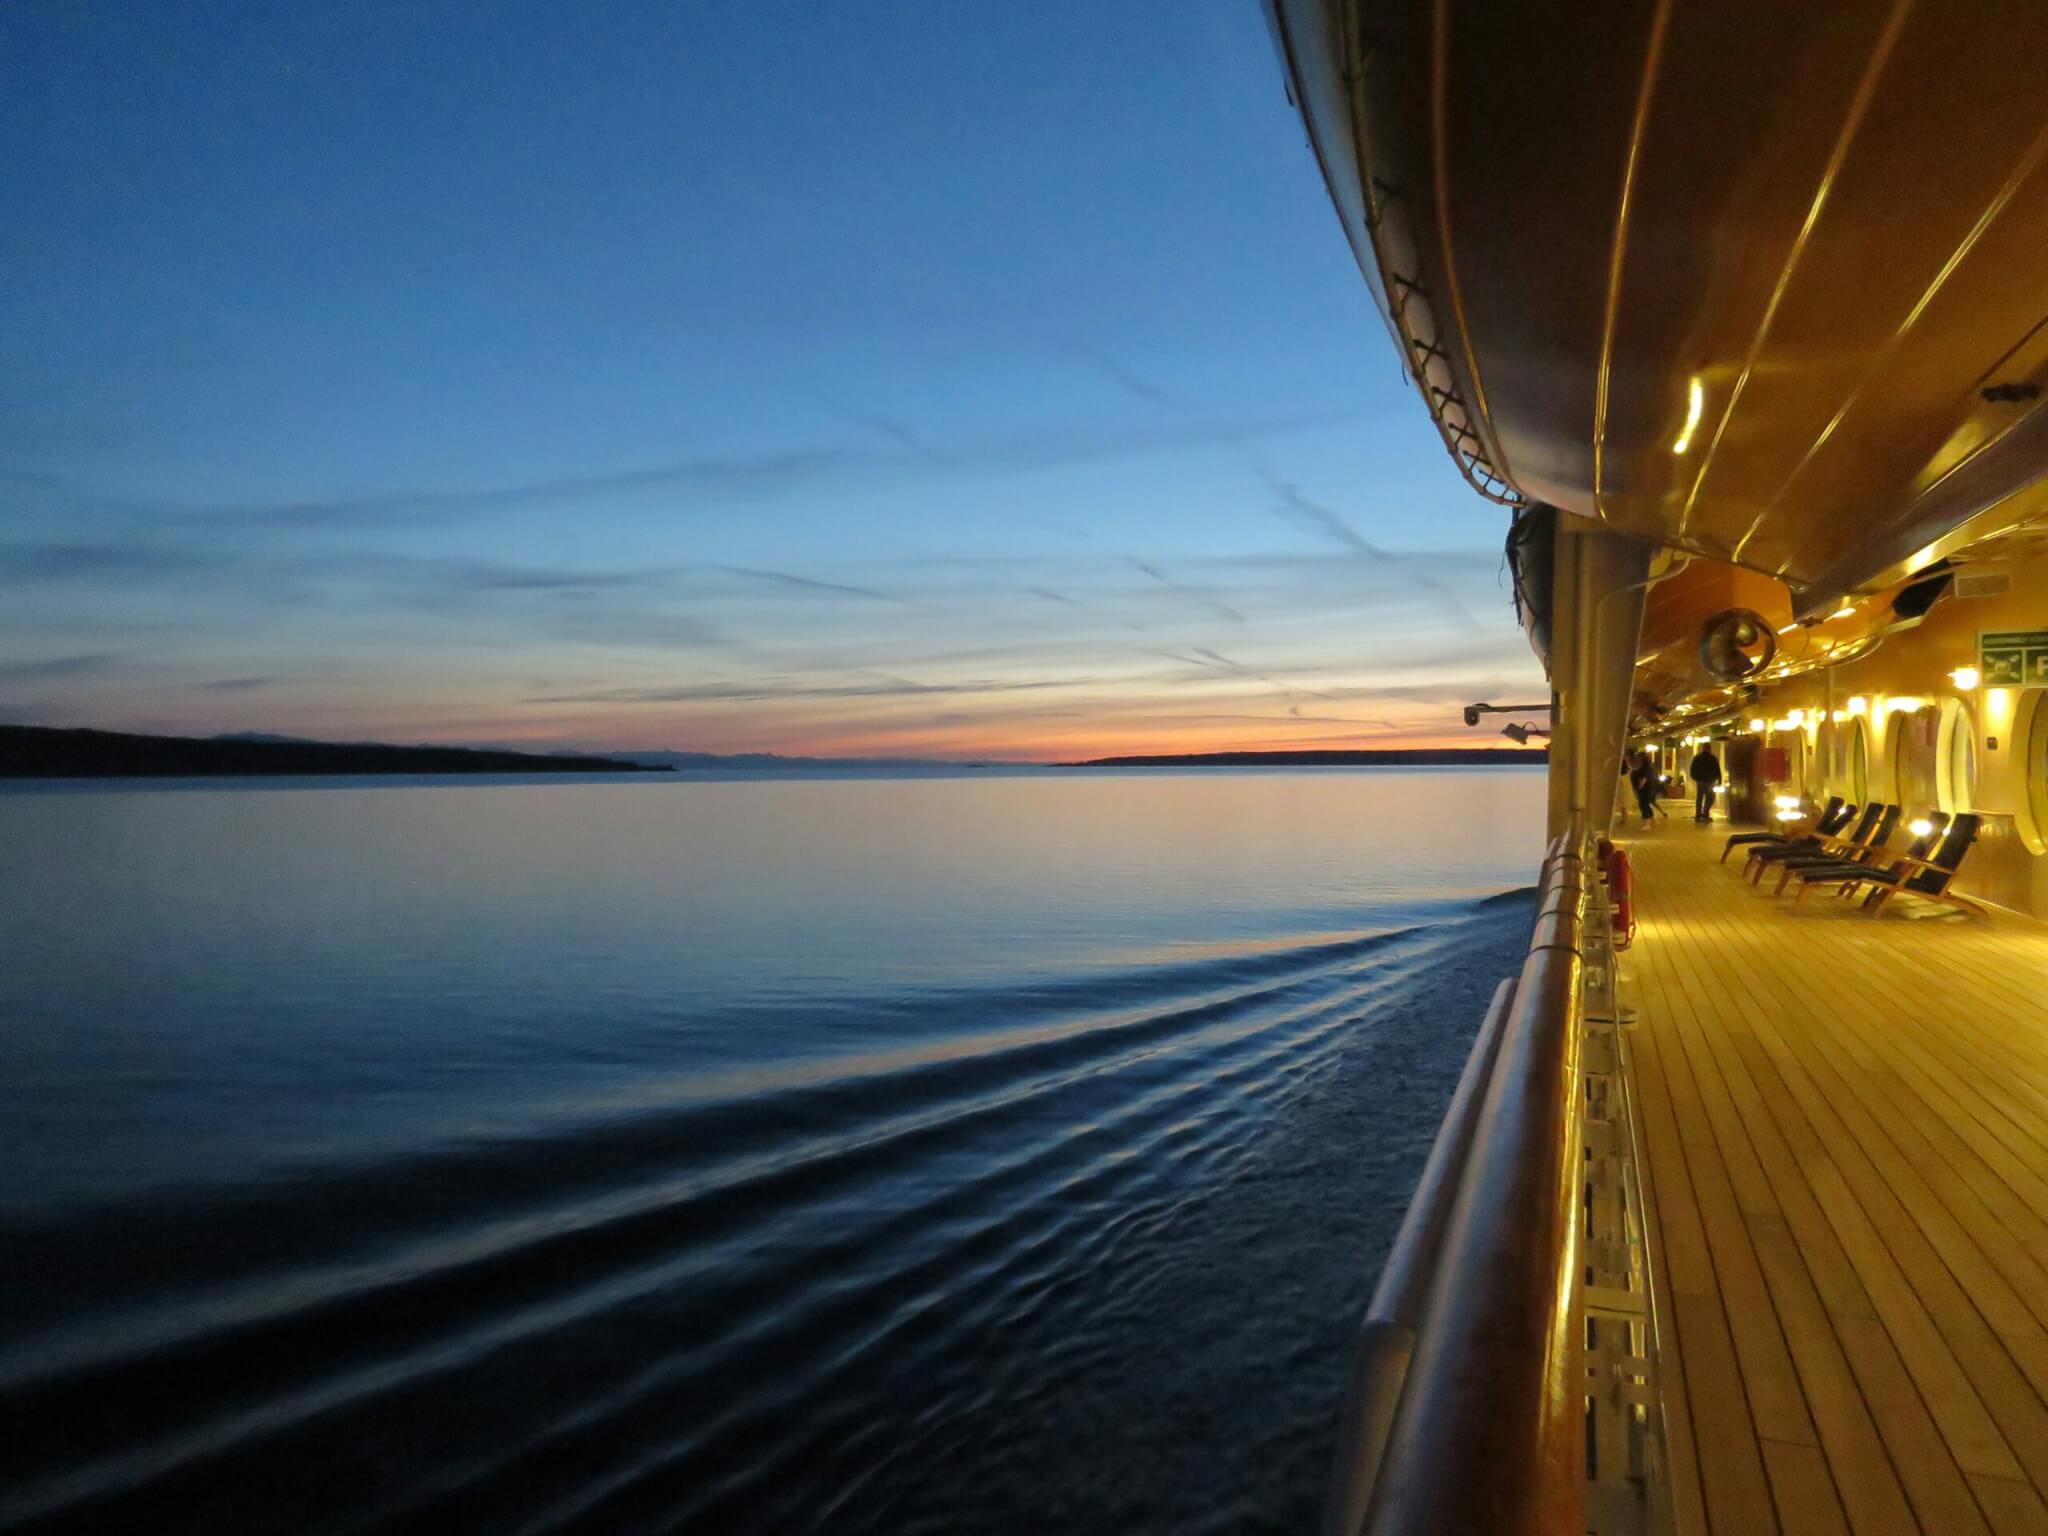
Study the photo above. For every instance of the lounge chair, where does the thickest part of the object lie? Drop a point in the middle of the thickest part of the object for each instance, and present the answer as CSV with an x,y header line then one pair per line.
x,y
1928,875
1875,823
1866,851
1846,873
1833,817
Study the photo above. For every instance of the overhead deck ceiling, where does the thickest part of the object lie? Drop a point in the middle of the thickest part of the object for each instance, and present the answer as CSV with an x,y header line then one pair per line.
x,y
1733,277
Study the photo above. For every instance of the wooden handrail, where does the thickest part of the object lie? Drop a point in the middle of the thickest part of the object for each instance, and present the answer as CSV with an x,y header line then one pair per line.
x,y
1489,1431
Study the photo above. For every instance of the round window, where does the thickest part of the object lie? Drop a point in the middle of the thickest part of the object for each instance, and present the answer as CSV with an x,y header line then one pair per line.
x,y
1916,740
1958,757
2032,717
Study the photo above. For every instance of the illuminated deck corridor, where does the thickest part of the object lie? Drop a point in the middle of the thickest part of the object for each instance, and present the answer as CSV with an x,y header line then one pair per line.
x,y
1846,1126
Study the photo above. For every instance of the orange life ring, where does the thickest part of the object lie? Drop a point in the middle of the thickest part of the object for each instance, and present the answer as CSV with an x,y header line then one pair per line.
x,y
1621,891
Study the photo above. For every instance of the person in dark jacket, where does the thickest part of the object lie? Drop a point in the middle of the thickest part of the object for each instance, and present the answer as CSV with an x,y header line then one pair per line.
x,y
1642,778
1705,773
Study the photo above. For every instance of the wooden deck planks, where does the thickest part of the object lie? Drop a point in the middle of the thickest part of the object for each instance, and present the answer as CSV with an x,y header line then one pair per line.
x,y
1846,1125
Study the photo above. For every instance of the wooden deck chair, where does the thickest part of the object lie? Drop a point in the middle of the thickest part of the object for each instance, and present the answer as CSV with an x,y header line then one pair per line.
x,y
1872,827
1833,817
1929,877
1849,875
1870,852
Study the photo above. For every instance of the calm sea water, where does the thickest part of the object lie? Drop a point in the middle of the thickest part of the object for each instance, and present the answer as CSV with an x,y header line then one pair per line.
x,y
963,1154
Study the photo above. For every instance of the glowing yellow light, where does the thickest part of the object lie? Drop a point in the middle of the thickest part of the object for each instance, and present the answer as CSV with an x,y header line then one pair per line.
x,y
1920,826
1845,611
1964,678
1859,705
1904,704
2000,700
1797,717
1789,815
1720,789
1695,402
1756,725
1785,802
1836,717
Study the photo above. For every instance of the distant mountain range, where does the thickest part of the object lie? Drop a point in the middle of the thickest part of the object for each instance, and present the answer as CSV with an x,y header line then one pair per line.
x,y
652,757
39,752
775,761
1418,757
28,751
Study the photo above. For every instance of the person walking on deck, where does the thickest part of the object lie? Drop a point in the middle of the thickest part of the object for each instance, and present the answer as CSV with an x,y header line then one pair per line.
x,y
1643,780
1705,773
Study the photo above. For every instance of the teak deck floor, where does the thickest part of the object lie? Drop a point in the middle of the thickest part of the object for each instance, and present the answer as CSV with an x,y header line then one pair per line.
x,y
1845,1122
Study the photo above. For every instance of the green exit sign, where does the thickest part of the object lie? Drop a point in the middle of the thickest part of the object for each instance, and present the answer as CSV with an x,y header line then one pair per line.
x,y
2013,658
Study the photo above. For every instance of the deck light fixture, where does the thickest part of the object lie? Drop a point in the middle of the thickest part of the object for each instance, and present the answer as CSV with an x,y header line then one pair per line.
x,y
1859,705
1695,403
1920,826
1785,802
1796,717
1757,726
1964,678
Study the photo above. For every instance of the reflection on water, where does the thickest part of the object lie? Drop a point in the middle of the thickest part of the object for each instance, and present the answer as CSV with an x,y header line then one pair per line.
x,y
956,1154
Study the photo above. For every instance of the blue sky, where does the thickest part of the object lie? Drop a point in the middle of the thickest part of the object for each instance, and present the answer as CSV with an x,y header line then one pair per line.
x,y
840,377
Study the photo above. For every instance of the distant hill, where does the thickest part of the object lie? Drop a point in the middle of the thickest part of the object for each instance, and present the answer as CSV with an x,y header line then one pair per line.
x,y
775,761
37,752
1416,757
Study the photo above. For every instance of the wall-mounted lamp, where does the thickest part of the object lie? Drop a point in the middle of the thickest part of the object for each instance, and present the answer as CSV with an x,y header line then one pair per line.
x,y
1919,826
1757,726
1965,678
1474,711
1859,705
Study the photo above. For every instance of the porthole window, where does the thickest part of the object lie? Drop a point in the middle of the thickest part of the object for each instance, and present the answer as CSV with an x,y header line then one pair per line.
x,y
1958,757
2031,717
1916,758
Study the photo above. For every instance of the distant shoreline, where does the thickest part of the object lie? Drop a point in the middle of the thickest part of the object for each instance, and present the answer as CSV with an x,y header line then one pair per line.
x,y
1414,757
41,752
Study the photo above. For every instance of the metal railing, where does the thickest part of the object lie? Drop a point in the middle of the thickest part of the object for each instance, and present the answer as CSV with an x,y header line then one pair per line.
x,y
1500,1336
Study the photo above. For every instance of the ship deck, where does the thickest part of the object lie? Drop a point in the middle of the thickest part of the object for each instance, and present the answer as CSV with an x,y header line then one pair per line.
x,y
1845,1125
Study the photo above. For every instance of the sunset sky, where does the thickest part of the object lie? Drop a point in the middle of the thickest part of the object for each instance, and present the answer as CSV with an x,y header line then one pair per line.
x,y
964,380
